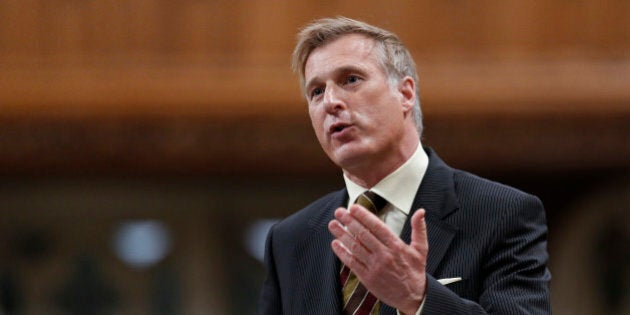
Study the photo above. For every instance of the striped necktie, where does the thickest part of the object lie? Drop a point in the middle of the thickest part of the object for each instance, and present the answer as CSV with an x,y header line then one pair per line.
x,y
356,298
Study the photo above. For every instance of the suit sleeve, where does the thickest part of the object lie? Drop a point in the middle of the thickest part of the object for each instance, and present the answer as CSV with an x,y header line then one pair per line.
x,y
515,279
270,300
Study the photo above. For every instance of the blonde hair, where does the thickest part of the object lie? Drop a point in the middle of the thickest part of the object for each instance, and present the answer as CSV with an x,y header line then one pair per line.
x,y
392,53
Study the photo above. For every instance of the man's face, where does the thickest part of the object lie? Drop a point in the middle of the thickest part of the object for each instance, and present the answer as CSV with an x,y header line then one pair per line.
x,y
358,117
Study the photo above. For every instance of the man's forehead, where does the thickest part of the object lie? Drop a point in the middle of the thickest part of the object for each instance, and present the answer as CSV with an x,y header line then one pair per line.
x,y
346,43
342,49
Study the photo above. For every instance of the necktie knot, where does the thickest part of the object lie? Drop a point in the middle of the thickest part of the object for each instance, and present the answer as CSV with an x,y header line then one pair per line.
x,y
371,201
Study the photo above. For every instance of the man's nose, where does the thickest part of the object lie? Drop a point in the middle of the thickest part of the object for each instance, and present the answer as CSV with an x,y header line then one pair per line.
x,y
333,99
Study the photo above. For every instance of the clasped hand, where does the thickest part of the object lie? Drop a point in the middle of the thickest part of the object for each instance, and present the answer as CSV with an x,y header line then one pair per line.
x,y
389,268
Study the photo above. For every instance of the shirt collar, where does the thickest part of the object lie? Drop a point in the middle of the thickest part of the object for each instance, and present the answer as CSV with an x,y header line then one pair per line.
x,y
399,187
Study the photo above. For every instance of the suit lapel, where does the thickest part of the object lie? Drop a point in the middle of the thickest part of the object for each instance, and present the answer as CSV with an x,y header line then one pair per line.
x,y
318,267
437,196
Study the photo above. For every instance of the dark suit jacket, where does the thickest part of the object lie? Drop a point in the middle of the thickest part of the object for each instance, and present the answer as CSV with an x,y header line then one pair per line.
x,y
491,235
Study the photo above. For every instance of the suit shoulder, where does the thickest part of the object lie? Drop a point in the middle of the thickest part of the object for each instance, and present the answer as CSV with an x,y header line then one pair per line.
x,y
317,211
498,207
473,188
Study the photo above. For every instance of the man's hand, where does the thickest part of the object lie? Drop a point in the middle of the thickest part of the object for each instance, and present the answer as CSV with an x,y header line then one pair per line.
x,y
392,270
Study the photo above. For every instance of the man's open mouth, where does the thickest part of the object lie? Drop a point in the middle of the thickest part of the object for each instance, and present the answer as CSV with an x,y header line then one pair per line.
x,y
338,127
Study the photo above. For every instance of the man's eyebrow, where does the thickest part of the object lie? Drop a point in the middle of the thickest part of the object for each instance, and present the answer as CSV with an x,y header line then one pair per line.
x,y
348,69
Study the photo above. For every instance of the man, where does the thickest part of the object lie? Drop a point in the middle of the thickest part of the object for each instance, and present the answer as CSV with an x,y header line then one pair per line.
x,y
430,239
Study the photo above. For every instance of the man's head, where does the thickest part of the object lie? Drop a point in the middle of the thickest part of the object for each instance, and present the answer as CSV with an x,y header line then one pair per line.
x,y
392,54
362,101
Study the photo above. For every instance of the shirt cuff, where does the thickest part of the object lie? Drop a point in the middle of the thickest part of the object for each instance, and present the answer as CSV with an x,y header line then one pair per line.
x,y
418,312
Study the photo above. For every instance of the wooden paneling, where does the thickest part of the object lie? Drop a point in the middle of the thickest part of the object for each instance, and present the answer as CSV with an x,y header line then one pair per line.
x,y
94,76
101,57
492,143
447,87
251,27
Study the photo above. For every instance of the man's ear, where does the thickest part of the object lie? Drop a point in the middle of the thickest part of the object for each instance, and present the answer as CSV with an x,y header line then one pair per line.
x,y
407,90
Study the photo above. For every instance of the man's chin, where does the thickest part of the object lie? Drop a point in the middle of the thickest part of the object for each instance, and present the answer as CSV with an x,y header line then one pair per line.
x,y
349,156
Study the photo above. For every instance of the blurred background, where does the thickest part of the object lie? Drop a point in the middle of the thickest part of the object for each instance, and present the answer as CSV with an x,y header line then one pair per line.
x,y
146,146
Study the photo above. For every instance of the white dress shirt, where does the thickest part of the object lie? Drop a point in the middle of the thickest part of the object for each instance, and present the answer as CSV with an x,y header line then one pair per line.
x,y
399,189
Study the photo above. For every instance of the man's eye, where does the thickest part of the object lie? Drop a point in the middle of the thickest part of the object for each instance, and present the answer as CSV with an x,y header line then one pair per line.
x,y
316,91
352,79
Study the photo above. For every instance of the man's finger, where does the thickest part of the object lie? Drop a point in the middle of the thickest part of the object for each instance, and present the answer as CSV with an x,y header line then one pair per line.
x,y
361,232
419,239
349,241
375,225
346,257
